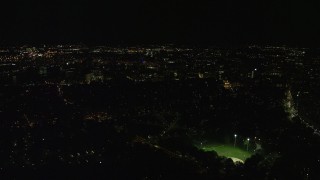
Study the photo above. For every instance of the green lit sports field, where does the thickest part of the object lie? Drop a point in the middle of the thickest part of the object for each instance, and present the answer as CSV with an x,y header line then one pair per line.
x,y
228,151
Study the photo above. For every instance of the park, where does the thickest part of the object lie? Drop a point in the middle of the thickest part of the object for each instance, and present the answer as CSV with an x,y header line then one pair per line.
x,y
232,151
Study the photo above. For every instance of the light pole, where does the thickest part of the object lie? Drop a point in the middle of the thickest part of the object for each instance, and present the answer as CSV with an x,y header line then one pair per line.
x,y
248,144
235,140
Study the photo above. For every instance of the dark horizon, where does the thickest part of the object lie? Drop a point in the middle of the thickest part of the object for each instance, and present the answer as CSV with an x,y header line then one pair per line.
x,y
179,22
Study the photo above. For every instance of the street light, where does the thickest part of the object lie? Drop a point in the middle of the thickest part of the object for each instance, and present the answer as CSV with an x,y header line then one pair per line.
x,y
235,140
248,143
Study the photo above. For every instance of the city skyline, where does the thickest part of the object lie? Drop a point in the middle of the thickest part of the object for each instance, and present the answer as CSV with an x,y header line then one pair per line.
x,y
160,90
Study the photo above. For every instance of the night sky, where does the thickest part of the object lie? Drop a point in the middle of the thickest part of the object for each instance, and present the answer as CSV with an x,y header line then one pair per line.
x,y
150,21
